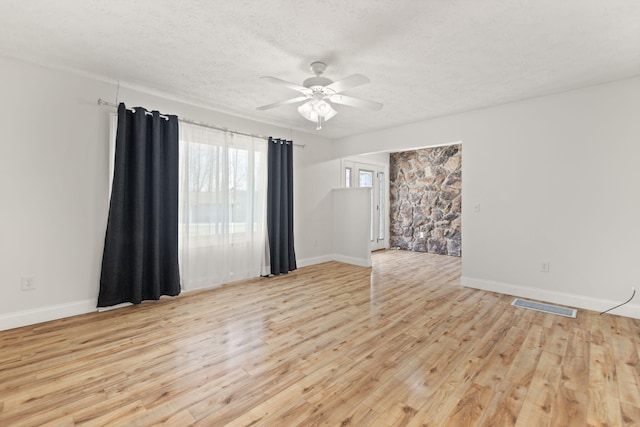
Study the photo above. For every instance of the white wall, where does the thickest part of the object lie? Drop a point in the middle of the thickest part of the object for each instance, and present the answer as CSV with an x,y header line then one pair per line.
x,y
557,179
53,186
352,225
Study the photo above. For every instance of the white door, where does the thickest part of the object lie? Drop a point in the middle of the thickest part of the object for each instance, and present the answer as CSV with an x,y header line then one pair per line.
x,y
375,177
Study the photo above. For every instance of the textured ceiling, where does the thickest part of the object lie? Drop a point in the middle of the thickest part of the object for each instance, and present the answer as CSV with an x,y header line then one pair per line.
x,y
425,58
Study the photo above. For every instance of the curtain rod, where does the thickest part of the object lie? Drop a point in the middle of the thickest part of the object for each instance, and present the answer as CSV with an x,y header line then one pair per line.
x,y
206,125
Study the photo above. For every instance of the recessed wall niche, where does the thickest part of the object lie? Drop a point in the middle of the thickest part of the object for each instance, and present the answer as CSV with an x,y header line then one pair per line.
x,y
425,200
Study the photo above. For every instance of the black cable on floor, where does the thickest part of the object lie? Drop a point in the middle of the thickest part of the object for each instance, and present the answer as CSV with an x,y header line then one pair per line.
x,y
620,305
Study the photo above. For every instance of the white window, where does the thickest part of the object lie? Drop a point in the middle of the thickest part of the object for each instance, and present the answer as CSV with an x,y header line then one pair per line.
x,y
222,201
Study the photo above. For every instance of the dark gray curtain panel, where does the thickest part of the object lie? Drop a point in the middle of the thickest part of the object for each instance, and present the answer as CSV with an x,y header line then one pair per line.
x,y
140,259
280,206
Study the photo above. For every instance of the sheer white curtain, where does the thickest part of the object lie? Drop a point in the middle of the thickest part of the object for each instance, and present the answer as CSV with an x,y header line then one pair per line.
x,y
223,185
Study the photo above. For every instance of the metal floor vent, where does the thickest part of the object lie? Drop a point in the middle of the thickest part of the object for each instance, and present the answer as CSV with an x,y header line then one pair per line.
x,y
545,308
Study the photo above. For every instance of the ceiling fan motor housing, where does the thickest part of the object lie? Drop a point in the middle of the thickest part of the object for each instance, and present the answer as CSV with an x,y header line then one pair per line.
x,y
317,81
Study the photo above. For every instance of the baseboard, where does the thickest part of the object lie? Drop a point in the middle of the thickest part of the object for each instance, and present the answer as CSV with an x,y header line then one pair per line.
x,y
570,300
362,262
114,307
45,314
305,262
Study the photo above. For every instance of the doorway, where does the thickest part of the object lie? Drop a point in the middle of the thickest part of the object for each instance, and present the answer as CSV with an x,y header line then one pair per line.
x,y
374,176
426,199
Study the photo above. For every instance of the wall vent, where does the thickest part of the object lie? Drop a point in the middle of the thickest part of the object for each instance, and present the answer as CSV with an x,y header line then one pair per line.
x,y
545,308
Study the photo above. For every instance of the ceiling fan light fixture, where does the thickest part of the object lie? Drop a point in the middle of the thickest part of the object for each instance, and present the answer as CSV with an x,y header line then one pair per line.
x,y
313,109
317,90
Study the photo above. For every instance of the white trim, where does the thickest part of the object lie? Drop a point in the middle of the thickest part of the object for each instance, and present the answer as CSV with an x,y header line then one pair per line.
x,y
210,286
362,159
305,262
362,262
562,298
45,314
113,307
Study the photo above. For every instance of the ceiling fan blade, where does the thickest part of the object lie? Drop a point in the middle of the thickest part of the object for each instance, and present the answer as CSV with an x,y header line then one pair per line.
x,y
286,84
347,83
355,102
288,101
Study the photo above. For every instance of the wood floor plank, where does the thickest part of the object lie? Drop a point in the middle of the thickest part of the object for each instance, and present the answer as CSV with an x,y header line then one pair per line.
x,y
604,400
575,366
630,414
543,390
505,406
627,363
568,410
401,343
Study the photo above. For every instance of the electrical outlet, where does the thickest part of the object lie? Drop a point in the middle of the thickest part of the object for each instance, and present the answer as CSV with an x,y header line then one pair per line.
x,y
28,283
544,266
476,208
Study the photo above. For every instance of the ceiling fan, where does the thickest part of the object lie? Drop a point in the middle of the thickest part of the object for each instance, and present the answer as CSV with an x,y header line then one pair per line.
x,y
320,92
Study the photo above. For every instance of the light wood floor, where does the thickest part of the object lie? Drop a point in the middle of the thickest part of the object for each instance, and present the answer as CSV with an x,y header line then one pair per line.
x,y
399,344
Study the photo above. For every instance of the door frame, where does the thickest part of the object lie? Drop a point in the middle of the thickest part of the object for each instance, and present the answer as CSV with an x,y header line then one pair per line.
x,y
357,165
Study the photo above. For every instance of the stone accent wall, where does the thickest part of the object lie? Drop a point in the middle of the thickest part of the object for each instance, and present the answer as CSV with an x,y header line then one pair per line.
x,y
425,200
